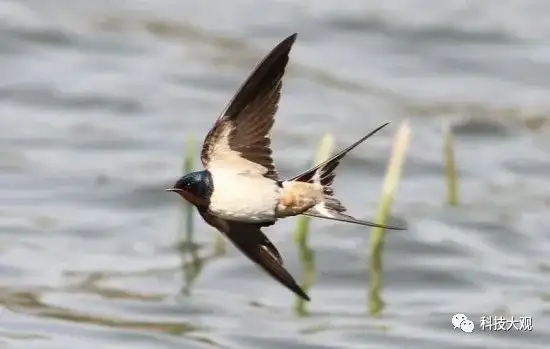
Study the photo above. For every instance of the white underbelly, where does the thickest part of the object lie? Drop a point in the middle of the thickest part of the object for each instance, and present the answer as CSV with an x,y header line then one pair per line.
x,y
243,197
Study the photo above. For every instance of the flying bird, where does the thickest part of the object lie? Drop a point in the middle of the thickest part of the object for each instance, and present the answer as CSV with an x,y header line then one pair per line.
x,y
239,192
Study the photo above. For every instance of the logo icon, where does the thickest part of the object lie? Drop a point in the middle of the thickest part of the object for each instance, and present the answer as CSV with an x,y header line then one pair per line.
x,y
461,321
467,326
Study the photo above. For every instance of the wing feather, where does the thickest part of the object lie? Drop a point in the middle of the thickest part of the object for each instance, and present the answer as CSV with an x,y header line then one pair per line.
x,y
253,243
240,137
256,246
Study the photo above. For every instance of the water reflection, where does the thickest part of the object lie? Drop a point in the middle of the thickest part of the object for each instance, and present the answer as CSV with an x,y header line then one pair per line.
x,y
191,264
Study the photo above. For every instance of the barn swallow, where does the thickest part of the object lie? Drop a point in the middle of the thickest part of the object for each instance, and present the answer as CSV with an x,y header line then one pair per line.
x,y
239,192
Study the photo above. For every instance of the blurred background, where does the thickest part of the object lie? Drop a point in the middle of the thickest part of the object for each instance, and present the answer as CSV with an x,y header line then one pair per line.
x,y
100,100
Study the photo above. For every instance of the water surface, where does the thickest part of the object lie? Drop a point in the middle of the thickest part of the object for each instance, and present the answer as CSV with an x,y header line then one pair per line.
x,y
98,101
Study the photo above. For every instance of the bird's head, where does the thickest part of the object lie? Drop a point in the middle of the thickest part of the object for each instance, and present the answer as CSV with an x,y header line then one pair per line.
x,y
195,187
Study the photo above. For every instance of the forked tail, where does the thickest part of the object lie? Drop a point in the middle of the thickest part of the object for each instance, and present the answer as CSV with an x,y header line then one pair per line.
x,y
331,207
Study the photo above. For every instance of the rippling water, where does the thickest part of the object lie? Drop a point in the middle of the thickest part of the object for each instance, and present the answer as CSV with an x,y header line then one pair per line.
x,y
98,101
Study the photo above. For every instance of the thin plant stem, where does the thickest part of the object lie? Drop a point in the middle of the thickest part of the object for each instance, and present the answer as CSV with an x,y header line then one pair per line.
x,y
306,253
451,173
189,166
389,189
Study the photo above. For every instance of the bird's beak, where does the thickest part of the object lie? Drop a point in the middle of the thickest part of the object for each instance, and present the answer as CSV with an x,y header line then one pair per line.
x,y
172,189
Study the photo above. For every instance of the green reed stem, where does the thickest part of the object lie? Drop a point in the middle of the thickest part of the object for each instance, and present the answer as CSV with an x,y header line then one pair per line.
x,y
189,166
219,246
389,189
307,260
186,246
451,173
307,255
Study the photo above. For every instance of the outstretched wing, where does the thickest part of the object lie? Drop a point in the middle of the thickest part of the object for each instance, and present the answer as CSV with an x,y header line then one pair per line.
x,y
250,240
240,138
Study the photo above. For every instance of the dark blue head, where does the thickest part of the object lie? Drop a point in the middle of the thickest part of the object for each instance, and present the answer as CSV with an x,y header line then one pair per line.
x,y
195,187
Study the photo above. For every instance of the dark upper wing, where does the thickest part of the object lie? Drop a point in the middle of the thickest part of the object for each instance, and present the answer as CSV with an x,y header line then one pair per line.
x,y
250,240
240,136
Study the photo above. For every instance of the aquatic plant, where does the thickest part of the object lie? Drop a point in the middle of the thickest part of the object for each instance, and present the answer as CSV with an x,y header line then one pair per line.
x,y
451,173
190,269
219,245
301,235
189,166
389,189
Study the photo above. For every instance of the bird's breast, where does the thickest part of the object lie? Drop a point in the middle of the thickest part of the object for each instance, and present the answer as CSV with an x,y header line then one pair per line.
x,y
243,197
